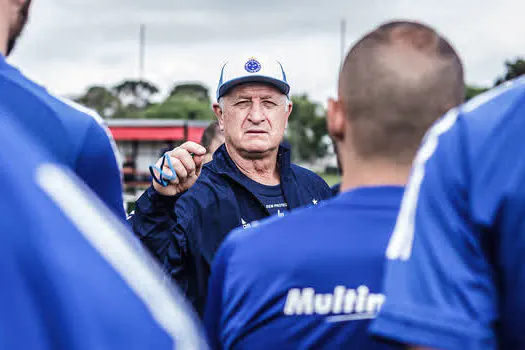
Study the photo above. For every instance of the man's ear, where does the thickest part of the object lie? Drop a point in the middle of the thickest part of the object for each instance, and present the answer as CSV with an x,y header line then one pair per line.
x,y
289,108
335,119
218,113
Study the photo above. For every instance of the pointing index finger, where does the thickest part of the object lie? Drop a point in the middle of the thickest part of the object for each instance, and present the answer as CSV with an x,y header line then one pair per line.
x,y
194,148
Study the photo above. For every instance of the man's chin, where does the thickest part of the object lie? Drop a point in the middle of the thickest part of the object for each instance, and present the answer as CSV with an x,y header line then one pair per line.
x,y
254,152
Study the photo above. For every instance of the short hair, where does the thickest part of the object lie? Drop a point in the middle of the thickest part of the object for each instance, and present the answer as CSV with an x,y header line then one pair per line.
x,y
394,83
209,134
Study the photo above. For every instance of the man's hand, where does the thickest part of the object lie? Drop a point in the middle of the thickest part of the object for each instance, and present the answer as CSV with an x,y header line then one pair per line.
x,y
187,168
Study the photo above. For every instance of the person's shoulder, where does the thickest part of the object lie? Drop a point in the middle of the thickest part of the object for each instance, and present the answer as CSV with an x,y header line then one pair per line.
x,y
496,108
283,229
502,99
67,108
303,172
307,177
487,122
61,108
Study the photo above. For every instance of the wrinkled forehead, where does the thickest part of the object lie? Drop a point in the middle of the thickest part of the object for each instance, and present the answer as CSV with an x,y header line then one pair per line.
x,y
254,90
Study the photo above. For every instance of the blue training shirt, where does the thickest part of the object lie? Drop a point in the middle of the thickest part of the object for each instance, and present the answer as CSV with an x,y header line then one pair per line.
x,y
71,133
71,276
272,197
456,271
309,280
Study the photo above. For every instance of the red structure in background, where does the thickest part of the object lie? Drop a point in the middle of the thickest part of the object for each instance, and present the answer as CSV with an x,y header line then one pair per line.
x,y
143,140
156,130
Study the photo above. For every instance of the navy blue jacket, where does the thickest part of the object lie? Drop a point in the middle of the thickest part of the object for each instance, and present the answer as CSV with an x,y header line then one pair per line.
x,y
185,231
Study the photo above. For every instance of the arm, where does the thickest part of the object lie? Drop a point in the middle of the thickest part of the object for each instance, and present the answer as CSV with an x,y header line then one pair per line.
x,y
158,221
98,168
22,322
213,312
155,223
439,286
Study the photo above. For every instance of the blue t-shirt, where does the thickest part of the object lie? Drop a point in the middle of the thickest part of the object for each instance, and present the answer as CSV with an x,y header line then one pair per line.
x,y
271,197
456,271
71,277
72,134
309,280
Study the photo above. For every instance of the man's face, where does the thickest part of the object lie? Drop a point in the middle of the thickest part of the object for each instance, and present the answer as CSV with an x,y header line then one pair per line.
x,y
19,12
254,117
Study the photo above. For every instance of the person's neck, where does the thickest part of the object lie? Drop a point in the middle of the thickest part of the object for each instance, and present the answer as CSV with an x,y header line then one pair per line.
x,y
262,170
371,173
4,30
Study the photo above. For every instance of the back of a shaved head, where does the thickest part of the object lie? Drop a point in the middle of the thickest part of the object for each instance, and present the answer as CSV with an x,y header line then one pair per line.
x,y
395,82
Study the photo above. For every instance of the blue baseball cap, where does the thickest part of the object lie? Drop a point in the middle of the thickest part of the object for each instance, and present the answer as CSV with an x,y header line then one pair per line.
x,y
252,70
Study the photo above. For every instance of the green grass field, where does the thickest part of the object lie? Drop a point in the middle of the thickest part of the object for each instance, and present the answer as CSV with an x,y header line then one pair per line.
x,y
331,179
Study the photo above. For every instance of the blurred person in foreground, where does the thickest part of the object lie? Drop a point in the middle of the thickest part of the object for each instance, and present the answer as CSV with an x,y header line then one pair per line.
x,y
73,134
456,260
313,279
250,177
212,139
72,275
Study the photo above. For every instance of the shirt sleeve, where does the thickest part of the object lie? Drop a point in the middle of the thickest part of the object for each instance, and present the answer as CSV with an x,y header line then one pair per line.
x,y
439,284
97,166
21,320
155,224
214,307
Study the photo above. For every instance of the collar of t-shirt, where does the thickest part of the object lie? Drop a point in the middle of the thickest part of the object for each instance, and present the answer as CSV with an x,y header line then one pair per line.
x,y
271,197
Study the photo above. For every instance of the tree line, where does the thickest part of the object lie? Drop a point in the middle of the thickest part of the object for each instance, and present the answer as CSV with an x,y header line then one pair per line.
x,y
306,132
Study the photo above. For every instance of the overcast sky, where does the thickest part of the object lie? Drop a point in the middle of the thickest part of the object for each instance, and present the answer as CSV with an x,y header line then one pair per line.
x,y
71,44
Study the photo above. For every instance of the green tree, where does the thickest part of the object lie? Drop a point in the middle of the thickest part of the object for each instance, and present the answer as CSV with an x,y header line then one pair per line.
x,y
137,93
193,90
307,129
186,101
472,91
101,99
180,107
514,70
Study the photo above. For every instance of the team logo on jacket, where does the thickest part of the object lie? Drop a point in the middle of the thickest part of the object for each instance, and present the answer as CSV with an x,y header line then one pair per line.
x,y
343,304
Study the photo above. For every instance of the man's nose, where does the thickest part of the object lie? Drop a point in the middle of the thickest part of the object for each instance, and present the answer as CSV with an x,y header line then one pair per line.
x,y
256,115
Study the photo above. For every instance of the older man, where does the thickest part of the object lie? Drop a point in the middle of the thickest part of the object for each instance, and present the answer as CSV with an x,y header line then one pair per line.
x,y
250,177
321,284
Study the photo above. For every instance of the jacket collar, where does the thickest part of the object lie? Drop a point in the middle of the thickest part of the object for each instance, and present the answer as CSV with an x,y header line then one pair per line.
x,y
224,165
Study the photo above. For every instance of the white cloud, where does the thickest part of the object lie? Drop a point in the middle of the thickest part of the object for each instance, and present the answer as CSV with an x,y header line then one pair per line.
x,y
70,45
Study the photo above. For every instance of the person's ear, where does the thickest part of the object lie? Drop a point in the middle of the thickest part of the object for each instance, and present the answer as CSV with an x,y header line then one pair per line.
x,y
335,119
289,108
219,114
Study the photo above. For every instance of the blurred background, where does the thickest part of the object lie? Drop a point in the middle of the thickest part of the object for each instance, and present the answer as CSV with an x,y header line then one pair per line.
x,y
150,67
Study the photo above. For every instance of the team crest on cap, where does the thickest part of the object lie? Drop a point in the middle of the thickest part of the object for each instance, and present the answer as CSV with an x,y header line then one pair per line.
x,y
252,66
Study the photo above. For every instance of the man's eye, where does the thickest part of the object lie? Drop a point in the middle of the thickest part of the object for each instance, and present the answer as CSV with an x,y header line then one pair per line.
x,y
269,104
243,104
